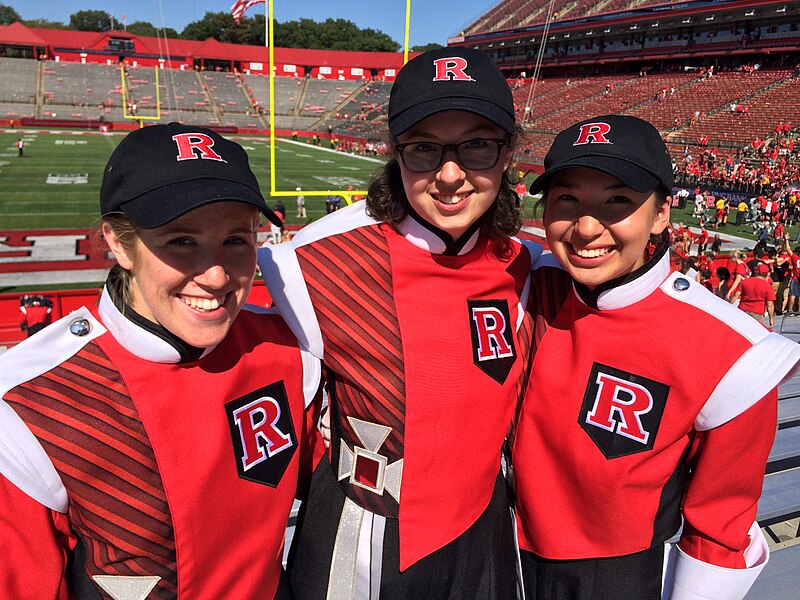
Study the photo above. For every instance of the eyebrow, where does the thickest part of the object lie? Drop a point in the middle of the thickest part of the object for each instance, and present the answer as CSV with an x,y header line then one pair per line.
x,y
199,230
569,184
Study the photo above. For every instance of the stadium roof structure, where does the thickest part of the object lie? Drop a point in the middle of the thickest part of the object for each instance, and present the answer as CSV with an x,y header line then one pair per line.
x,y
113,46
524,35
18,34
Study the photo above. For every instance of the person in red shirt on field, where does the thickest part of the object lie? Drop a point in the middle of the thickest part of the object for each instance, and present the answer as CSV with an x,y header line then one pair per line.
x,y
794,278
36,313
756,296
779,233
521,189
702,239
740,272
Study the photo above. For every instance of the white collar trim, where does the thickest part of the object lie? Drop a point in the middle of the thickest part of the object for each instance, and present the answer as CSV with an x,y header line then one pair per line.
x,y
634,291
135,339
422,237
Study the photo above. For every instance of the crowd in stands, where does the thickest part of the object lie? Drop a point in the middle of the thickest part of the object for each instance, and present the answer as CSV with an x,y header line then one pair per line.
x,y
761,166
769,215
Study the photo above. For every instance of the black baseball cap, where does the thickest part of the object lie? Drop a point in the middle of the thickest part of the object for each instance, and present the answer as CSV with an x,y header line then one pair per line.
x,y
161,172
625,147
456,78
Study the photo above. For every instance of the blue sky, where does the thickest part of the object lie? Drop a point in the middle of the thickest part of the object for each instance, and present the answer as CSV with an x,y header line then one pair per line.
x,y
431,20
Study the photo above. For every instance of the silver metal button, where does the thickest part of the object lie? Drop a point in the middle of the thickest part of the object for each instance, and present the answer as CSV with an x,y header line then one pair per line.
x,y
680,284
80,327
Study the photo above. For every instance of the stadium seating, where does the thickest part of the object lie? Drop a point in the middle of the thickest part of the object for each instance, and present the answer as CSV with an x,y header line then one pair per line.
x,y
517,13
766,104
364,114
323,96
780,579
19,81
80,91
780,501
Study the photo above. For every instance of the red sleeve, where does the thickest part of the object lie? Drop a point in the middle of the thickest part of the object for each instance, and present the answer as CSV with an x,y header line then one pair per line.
x,y
35,542
721,498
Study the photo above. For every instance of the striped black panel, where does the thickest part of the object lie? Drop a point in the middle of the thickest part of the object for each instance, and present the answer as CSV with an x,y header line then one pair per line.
x,y
86,422
349,280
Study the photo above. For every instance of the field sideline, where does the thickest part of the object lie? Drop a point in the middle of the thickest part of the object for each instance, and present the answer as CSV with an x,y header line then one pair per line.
x,y
56,185
57,182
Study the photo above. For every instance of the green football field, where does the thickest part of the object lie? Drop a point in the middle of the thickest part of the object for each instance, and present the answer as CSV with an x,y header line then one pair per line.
x,y
57,182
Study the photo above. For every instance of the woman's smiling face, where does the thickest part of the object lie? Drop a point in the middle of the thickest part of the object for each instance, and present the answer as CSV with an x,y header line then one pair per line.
x,y
452,197
192,275
597,227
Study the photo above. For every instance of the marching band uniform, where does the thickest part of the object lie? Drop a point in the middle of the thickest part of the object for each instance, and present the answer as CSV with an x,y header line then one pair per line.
x,y
132,464
612,458
423,344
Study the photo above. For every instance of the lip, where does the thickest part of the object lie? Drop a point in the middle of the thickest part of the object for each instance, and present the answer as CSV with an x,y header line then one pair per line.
x,y
590,261
196,305
451,207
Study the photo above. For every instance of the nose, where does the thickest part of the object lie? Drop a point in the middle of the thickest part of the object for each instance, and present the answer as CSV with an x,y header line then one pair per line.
x,y
214,276
588,227
451,170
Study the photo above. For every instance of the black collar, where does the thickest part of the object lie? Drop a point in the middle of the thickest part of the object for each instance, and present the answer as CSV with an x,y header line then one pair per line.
x,y
592,297
451,247
146,346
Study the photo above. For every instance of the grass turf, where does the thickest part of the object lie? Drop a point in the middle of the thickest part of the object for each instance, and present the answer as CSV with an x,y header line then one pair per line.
x,y
31,196
57,182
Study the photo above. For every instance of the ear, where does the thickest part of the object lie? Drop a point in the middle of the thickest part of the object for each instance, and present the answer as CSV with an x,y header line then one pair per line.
x,y
123,256
662,217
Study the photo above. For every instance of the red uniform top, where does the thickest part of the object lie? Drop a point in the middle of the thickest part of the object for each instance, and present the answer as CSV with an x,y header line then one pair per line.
x,y
146,466
740,269
755,292
794,271
422,342
31,315
613,420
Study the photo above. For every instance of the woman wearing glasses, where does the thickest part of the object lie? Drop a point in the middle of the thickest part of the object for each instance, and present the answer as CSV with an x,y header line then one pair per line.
x,y
412,300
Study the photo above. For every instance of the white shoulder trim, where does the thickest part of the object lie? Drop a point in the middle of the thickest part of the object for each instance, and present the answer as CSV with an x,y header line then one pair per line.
x,y
284,278
312,375
290,297
763,367
312,367
23,461
771,360
698,296
539,256
346,219
687,578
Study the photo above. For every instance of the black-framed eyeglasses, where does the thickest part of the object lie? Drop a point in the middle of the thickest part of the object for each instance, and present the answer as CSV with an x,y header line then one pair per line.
x,y
475,155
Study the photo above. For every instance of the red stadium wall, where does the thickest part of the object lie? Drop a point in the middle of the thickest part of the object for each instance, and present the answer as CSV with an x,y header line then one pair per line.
x,y
65,301
101,47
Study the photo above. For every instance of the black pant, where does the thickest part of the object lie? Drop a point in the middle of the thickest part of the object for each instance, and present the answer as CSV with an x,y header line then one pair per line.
x,y
635,576
480,564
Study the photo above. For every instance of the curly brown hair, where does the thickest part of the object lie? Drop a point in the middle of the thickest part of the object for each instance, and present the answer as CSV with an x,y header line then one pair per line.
x,y
387,201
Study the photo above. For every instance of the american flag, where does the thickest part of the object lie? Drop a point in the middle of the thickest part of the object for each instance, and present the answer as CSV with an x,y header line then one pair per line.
x,y
240,6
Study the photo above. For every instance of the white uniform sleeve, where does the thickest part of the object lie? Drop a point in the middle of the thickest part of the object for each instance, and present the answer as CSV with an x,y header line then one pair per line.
x,y
23,461
687,578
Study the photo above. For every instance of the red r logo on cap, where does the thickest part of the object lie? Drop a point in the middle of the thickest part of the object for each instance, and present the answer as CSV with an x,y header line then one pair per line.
x,y
451,69
593,133
189,142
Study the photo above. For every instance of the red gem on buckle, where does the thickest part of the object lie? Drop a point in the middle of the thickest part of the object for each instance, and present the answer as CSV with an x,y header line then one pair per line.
x,y
366,471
